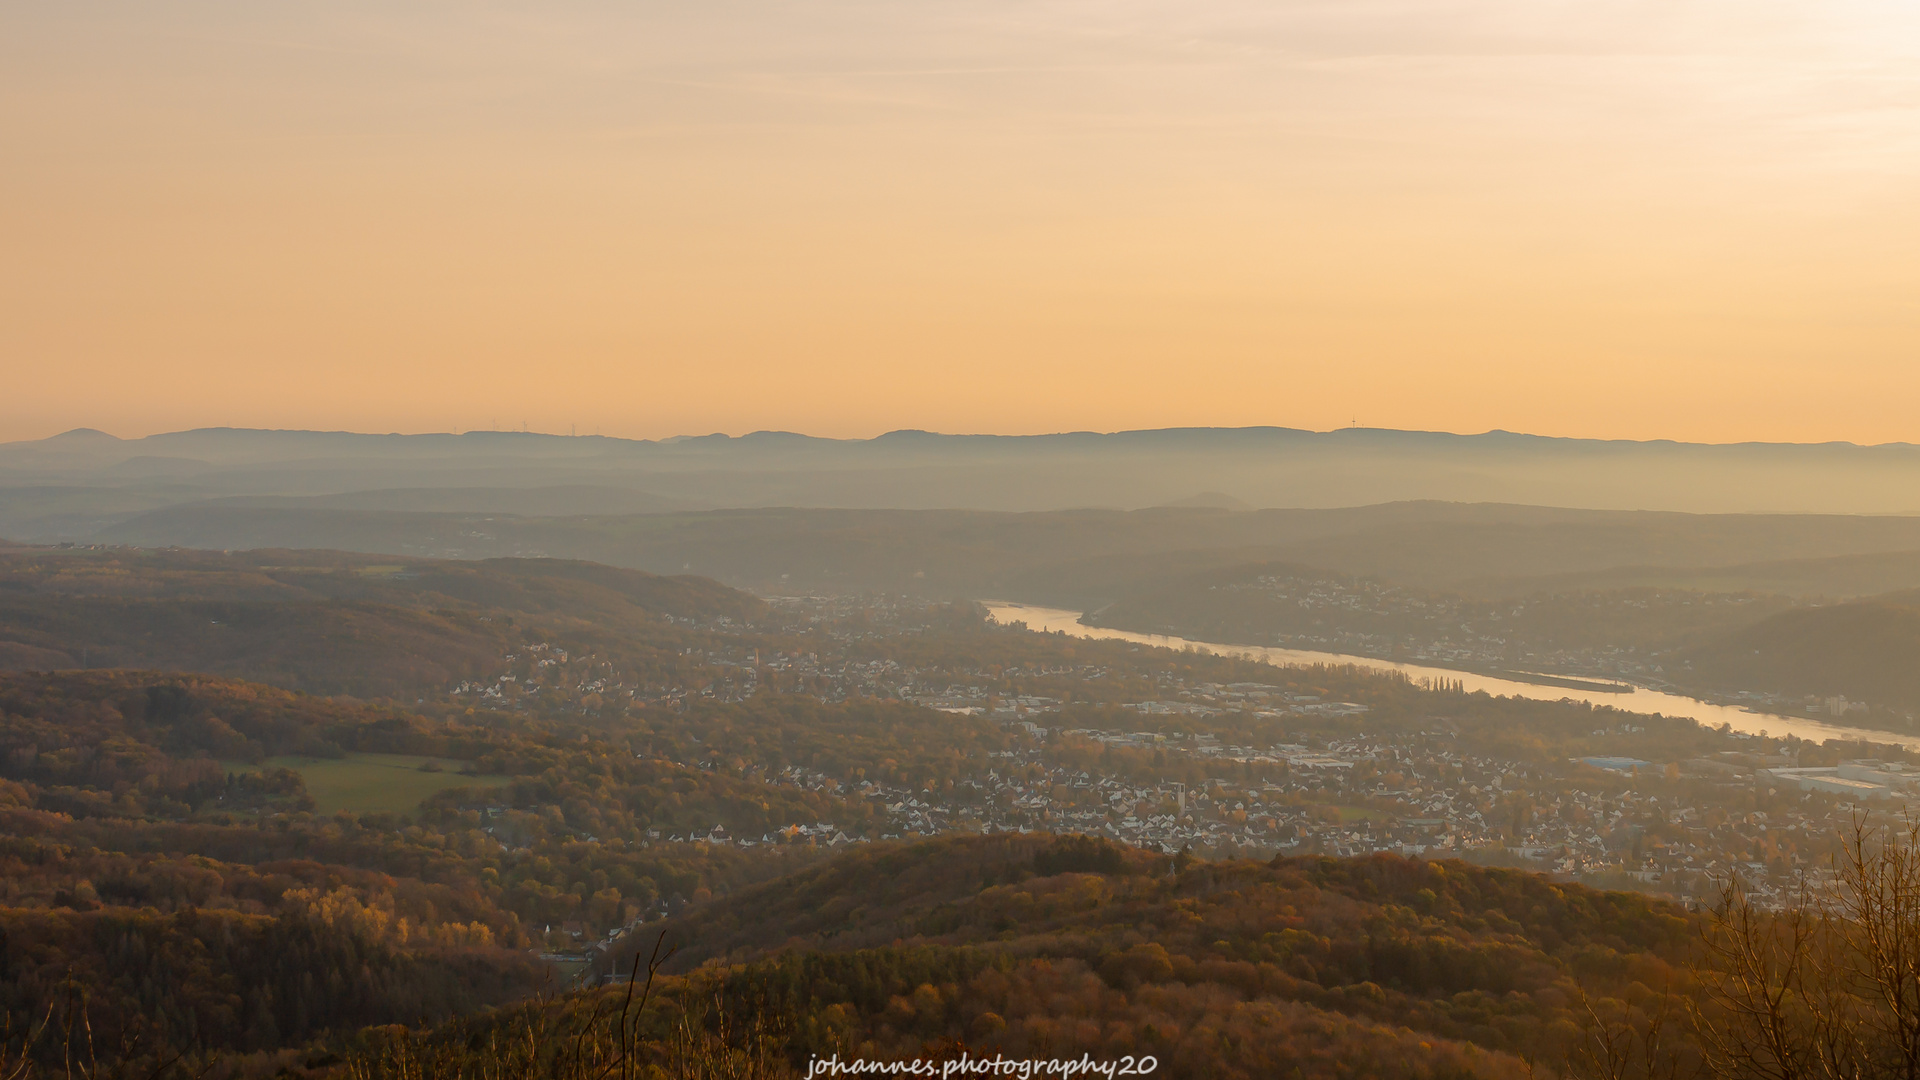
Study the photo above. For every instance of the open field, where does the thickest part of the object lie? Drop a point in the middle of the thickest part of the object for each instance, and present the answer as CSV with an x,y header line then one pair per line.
x,y
372,783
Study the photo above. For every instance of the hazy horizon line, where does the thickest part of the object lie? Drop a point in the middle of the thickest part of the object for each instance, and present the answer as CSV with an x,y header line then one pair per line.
x,y
86,431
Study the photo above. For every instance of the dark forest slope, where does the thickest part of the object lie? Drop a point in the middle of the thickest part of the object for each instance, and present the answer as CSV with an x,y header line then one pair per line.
x,y
1033,945
1867,650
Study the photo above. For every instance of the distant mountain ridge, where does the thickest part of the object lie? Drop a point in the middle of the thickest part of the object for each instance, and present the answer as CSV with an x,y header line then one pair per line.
x,y
74,485
214,443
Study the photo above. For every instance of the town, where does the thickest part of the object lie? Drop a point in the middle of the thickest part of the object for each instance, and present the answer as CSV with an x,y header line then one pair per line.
x,y
1117,742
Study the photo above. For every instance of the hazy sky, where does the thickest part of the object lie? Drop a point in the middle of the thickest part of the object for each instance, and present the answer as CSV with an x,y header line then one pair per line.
x,y
1685,219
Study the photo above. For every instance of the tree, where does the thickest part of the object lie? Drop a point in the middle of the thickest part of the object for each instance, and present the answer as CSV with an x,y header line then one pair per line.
x,y
1829,985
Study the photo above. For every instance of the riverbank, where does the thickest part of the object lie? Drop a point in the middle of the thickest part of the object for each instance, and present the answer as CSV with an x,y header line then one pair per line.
x,y
1620,696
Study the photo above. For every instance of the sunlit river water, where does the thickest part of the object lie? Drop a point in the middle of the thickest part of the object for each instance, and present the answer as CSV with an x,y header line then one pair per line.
x,y
1640,699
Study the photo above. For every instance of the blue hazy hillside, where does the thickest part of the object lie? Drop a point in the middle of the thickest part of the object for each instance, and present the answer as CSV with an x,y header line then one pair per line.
x,y
74,485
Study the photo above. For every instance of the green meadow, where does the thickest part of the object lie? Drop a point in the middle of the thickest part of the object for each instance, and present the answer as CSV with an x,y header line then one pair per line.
x,y
373,783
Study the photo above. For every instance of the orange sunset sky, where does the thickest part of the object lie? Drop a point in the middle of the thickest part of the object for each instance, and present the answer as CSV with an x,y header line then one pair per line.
x,y
1688,219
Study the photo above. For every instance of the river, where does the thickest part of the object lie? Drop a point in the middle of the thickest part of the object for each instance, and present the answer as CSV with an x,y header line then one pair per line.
x,y
1640,699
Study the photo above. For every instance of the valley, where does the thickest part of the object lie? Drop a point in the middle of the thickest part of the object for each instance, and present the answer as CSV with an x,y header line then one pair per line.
x,y
486,777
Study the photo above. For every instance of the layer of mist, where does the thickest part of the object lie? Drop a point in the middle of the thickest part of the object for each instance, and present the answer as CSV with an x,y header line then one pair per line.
x,y
74,486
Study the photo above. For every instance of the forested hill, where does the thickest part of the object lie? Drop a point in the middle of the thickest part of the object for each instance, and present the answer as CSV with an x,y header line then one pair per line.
x,y
1281,603
1037,945
161,851
95,729
966,890
1868,650
326,622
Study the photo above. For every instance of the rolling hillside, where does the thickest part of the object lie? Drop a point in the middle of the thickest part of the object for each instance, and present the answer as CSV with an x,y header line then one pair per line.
x,y
1866,650
1055,947
1084,558
157,846
323,622
1270,603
